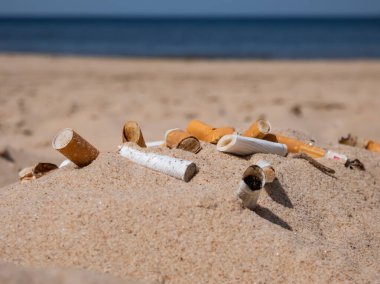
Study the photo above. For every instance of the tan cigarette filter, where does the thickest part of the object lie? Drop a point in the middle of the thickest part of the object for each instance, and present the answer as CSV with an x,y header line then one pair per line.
x,y
179,139
373,146
258,129
296,146
132,133
74,147
207,133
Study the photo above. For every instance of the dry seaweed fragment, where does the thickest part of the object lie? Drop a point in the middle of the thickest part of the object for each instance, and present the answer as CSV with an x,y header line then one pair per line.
x,y
355,164
316,164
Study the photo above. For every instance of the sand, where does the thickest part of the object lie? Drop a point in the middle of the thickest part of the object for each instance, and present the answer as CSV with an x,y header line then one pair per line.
x,y
121,219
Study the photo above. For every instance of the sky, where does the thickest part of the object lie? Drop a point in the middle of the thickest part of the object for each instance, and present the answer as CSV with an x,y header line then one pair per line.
x,y
191,8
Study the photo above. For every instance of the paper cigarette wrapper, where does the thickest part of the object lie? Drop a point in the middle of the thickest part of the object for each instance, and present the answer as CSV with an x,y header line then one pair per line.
x,y
155,143
178,168
132,133
296,146
207,133
74,147
179,139
373,146
258,129
254,179
242,146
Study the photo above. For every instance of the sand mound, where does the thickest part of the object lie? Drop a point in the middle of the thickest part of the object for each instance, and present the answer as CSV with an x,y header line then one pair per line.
x,y
120,218
12,274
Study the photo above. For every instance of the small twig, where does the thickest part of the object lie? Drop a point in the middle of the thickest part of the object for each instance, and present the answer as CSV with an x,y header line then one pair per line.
x,y
316,164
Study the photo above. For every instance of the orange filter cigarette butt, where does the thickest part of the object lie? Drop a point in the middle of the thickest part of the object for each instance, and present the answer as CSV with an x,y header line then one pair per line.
x,y
199,129
179,139
296,146
207,133
74,147
373,146
258,129
132,133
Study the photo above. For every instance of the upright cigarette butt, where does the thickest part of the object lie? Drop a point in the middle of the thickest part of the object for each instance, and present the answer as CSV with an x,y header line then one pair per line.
x,y
373,146
207,133
296,146
242,146
74,147
178,168
253,180
179,139
132,133
258,129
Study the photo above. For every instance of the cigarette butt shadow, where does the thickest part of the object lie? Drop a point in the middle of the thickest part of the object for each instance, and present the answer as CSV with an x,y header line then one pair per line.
x,y
271,217
278,194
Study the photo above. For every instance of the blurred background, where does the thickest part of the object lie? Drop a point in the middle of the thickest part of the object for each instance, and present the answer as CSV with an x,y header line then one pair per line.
x,y
294,29
308,66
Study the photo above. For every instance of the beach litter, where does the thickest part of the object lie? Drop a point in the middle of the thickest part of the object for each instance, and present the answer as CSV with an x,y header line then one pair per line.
x,y
132,133
179,139
74,147
259,129
36,171
356,141
207,133
254,179
242,146
178,168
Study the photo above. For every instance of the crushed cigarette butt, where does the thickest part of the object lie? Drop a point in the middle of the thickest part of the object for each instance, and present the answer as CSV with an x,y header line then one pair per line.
x,y
36,171
207,133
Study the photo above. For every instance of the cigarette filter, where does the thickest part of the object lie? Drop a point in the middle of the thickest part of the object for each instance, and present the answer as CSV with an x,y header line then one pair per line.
x,y
373,146
253,180
179,139
258,129
207,133
240,145
132,133
178,168
36,171
296,146
74,147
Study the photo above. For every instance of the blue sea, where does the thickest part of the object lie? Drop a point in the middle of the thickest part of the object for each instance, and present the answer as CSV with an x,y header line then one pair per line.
x,y
259,38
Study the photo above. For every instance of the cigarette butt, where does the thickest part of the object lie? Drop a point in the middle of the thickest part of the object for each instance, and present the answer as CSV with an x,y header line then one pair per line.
x,y
179,139
373,146
178,168
74,147
258,129
36,171
336,156
132,133
207,133
296,146
253,180
242,146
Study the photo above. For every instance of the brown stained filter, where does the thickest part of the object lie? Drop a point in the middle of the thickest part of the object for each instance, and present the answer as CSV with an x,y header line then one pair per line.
x,y
270,174
258,129
74,147
179,139
373,146
132,133
296,146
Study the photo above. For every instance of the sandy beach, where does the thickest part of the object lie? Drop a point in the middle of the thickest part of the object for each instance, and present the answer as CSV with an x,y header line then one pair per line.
x,y
117,218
